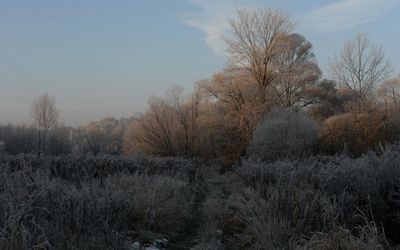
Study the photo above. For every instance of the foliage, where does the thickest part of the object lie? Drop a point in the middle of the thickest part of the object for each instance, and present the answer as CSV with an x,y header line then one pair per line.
x,y
284,133
92,202
353,133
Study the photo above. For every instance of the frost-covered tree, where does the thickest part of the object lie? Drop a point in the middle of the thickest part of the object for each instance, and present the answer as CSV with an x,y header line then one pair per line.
x,y
169,126
389,91
361,67
297,71
101,137
255,41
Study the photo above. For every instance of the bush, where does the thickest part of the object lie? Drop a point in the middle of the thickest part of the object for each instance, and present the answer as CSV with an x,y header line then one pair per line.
x,y
341,238
158,204
352,133
284,133
92,202
317,194
391,129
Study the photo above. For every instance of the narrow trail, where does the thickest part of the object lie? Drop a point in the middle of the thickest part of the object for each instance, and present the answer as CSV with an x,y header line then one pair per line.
x,y
187,239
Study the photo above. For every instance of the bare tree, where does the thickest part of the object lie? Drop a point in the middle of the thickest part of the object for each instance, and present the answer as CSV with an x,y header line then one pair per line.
x,y
101,137
297,69
155,128
45,115
254,43
389,91
186,111
233,93
170,126
361,67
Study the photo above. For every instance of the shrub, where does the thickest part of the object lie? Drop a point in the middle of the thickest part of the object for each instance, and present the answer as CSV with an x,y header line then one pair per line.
x,y
352,133
43,213
284,133
341,238
158,204
340,189
93,202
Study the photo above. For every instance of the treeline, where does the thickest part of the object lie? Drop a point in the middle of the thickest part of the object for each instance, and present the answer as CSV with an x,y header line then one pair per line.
x,y
270,102
100,137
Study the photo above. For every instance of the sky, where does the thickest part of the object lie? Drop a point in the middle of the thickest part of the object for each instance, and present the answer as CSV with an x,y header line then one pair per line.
x,y
102,58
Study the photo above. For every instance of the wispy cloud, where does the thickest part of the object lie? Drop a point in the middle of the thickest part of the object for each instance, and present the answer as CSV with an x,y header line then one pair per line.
x,y
213,16
346,14
213,19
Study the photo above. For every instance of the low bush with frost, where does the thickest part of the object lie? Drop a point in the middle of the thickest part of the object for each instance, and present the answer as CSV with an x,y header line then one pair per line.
x,y
284,134
56,203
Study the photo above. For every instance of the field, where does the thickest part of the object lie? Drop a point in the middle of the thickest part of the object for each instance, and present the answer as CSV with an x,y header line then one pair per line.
x,y
115,202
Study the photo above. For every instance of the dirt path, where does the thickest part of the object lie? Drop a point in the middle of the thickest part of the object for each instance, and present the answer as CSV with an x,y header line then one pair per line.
x,y
189,235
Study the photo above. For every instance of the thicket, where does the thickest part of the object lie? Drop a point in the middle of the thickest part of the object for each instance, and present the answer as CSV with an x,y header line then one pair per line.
x,y
93,202
110,202
319,203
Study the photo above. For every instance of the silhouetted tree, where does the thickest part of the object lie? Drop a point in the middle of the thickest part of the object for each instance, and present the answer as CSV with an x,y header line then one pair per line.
x,y
45,115
101,137
361,67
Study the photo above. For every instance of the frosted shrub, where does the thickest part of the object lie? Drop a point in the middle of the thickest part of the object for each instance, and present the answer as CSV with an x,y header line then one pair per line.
x,y
273,215
340,189
284,133
159,204
353,133
341,238
36,211
93,202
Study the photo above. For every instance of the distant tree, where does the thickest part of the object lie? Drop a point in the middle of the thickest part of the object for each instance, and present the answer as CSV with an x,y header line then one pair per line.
x,y
327,100
389,91
18,139
169,127
45,115
255,41
361,67
60,140
153,131
101,137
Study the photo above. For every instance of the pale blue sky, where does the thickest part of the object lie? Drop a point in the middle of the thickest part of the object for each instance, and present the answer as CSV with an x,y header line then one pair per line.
x,y
107,57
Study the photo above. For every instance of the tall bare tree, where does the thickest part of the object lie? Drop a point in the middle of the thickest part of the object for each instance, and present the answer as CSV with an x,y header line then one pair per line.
x,y
361,67
254,43
45,115
233,93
